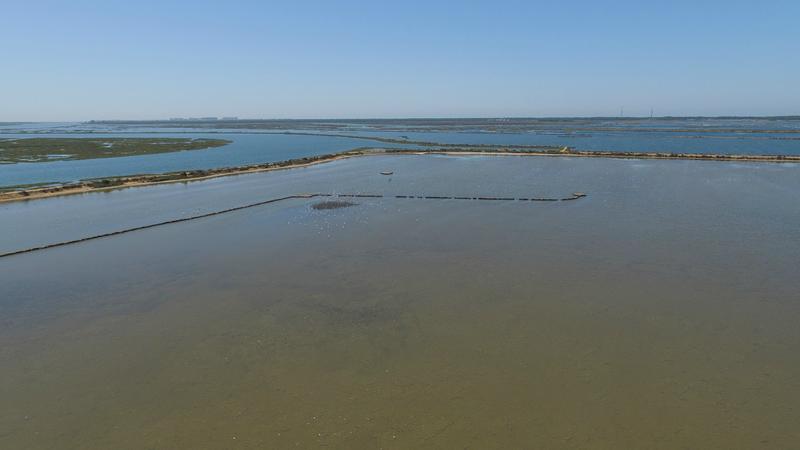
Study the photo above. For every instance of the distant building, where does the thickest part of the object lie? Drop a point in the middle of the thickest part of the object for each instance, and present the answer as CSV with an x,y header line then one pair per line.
x,y
230,118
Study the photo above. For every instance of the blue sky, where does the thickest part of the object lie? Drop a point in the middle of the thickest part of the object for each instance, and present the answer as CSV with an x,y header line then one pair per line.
x,y
80,60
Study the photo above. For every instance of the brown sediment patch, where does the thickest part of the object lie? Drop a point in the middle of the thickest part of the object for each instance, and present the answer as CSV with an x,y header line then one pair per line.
x,y
332,204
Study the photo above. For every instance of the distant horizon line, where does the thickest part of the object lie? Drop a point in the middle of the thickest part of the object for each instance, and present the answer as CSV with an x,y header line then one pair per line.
x,y
320,119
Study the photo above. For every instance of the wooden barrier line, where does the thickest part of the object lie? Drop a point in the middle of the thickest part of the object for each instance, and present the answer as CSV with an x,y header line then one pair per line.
x,y
575,196
153,225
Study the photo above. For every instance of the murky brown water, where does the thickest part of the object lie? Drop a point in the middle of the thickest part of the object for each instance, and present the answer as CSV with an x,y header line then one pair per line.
x,y
659,312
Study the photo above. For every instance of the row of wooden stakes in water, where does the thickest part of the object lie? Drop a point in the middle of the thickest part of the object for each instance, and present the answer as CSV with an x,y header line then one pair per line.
x,y
574,196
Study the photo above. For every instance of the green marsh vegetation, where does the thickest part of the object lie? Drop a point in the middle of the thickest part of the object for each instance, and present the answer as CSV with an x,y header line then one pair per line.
x,y
68,149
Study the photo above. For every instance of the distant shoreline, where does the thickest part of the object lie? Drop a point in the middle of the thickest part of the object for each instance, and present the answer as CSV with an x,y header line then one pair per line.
x,y
112,183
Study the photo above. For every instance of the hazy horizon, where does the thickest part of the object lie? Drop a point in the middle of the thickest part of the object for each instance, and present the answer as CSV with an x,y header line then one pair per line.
x,y
92,60
432,118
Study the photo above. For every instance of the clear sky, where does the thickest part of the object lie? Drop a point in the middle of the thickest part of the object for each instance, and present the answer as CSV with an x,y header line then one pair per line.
x,y
106,59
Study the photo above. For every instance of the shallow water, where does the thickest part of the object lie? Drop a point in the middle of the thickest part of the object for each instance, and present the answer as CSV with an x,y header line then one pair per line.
x,y
658,312
244,149
752,136
623,141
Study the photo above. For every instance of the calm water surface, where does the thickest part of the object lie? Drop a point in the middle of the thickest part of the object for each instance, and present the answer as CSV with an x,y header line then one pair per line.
x,y
622,141
258,145
245,149
659,312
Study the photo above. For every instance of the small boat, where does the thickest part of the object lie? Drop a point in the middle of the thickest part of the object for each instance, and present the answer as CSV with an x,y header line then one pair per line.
x,y
387,172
